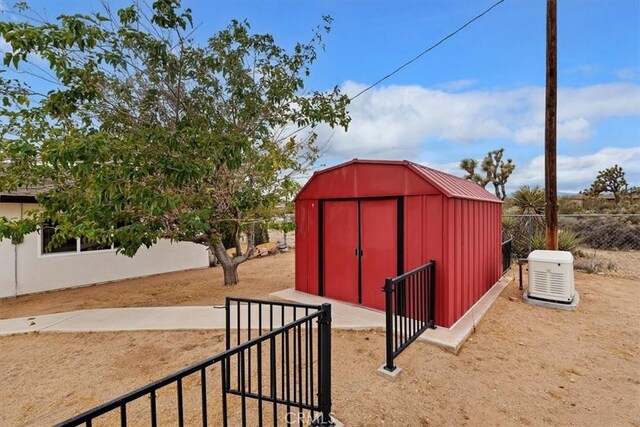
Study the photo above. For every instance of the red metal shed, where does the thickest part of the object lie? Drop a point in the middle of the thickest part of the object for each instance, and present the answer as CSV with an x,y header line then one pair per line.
x,y
360,222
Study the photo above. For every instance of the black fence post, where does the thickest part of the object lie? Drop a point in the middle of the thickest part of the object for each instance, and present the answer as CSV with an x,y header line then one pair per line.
x,y
227,340
388,290
324,337
227,313
432,294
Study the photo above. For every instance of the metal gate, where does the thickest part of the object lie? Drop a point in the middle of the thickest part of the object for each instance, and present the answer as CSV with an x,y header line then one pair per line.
x,y
276,369
410,309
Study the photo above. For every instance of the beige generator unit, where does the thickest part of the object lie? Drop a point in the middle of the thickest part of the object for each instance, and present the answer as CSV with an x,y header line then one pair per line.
x,y
551,276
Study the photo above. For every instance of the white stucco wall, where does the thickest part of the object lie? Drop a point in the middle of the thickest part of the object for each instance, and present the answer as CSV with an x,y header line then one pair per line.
x,y
24,269
8,251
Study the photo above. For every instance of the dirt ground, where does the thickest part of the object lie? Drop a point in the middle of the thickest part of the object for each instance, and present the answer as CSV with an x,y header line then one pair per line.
x,y
616,263
524,365
257,278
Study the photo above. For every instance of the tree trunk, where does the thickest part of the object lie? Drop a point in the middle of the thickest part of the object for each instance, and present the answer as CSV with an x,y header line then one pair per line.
x,y
230,274
213,261
496,188
616,198
503,191
229,267
238,244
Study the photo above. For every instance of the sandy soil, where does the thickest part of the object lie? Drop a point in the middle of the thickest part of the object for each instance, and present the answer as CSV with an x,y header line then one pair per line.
x,y
524,365
624,263
258,278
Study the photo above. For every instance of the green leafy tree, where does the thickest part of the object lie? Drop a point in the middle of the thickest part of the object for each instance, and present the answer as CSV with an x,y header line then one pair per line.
x,y
494,169
146,135
611,180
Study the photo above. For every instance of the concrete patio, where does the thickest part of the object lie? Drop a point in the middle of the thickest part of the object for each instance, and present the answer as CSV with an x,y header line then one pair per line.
x,y
344,316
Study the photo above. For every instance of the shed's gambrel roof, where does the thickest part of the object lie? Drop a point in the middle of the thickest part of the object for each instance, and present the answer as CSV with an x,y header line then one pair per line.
x,y
454,186
451,186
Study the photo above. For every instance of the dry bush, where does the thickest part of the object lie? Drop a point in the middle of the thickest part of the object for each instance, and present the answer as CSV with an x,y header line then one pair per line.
x,y
606,232
593,265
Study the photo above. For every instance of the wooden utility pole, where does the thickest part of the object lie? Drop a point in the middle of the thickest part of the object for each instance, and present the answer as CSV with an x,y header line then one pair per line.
x,y
550,167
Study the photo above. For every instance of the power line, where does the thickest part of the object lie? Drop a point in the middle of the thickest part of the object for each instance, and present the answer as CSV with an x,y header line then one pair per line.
x,y
430,48
427,50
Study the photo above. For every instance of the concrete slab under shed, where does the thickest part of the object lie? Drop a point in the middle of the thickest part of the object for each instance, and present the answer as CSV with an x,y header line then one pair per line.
x,y
351,316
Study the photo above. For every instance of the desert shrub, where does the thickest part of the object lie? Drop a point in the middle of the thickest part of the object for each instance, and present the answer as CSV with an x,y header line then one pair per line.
x,y
606,232
569,205
509,224
520,228
538,241
567,241
593,265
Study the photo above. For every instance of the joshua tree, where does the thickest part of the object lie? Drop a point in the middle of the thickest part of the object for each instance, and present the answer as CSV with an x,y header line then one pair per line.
x,y
610,180
495,171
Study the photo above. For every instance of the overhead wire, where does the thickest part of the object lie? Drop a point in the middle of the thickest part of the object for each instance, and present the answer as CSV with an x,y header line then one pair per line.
x,y
415,58
427,50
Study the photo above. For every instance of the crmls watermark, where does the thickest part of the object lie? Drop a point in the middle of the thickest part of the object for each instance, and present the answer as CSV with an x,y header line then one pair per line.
x,y
304,418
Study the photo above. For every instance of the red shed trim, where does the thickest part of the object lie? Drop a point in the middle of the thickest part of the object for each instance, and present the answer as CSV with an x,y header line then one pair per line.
x,y
451,186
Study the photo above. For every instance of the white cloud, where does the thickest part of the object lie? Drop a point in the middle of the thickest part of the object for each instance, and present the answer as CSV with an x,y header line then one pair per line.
x,y
32,58
577,173
628,73
457,85
452,168
395,121
577,129
587,70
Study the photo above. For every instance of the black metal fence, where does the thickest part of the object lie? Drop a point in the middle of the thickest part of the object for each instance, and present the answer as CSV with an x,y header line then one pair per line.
x,y
293,381
506,255
276,369
410,309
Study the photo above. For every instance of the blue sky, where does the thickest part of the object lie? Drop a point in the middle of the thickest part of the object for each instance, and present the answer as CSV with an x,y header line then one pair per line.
x,y
482,89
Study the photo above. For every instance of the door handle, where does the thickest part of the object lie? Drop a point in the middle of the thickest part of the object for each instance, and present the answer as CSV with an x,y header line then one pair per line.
x,y
359,252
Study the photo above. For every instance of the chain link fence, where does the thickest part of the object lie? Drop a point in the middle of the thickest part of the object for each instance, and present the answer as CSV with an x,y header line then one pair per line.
x,y
600,242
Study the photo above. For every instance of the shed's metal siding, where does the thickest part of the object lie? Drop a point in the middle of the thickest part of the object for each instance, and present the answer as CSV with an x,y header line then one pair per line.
x,y
306,274
473,254
446,218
